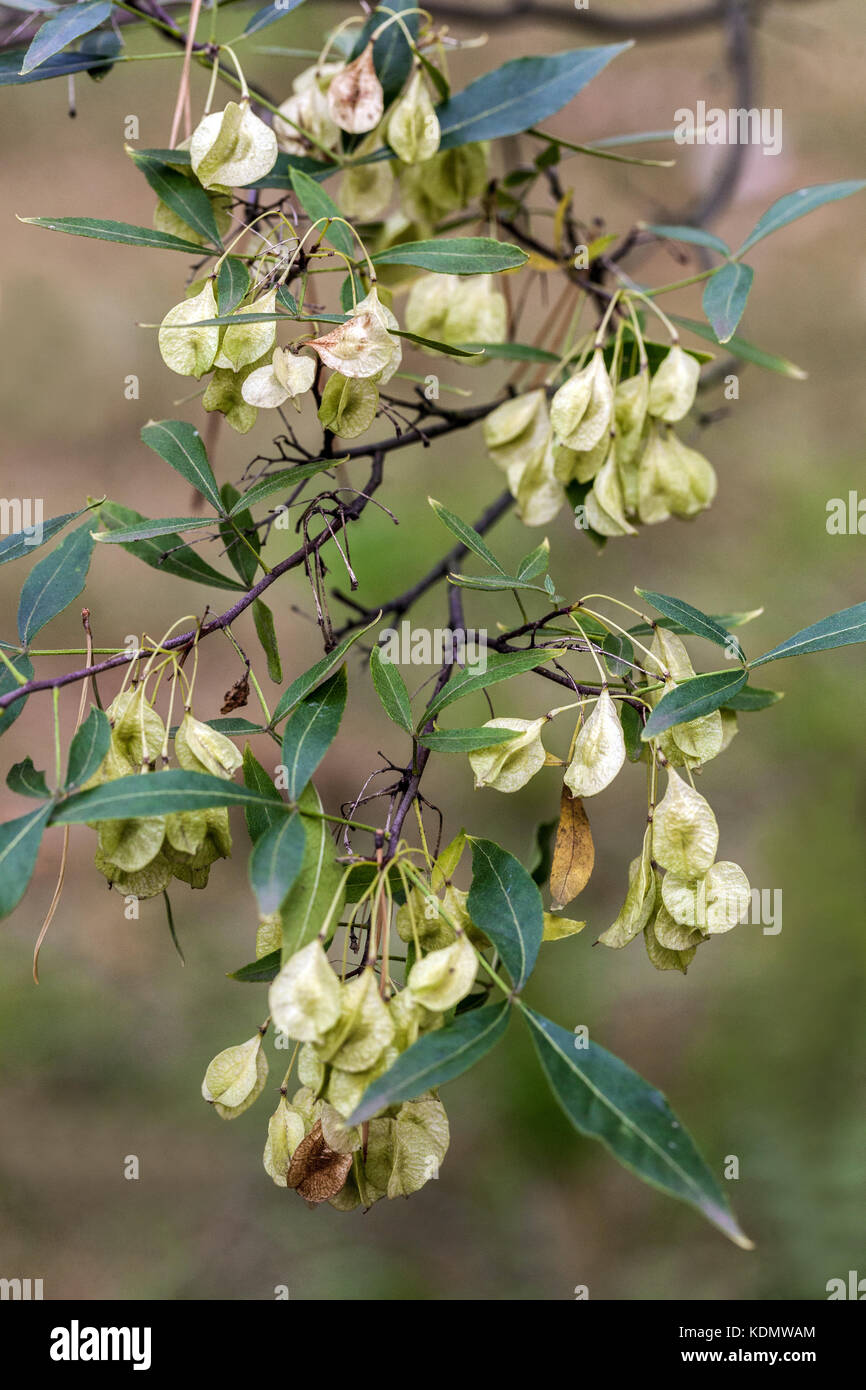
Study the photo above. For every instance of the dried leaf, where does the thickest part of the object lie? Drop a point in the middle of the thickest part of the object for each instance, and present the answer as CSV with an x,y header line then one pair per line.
x,y
573,851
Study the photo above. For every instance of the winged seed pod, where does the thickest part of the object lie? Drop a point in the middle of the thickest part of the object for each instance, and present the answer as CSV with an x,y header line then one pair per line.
x,y
355,97
232,148
515,430
306,114
185,349
138,732
697,740
599,750
366,189
413,127
342,1138
285,1132
305,999
420,1142
431,930
640,899
385,317
245,343
235,1078
288,376
539,494
663,958
131,844
363,1029
144,883
673,935
348,405
457,309
582,409
605,503
672,479
557,927
224,393
630,402
360,347
713,904
685,833
509,766
442,978
316,1171
673,388
199,748
580,464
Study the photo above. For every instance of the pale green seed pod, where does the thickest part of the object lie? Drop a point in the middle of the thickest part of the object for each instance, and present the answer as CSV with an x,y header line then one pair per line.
x,y
311,1069
348,405
396,230
232,148
457,309
582,409
360,347
199,748
413,127
517,429
138,733
285,1132
506,767
355,97
364,1029
599,750
663,958
236,1077
269,937
445,183
287,376
386,319
697,740
605,504
185,831
306,113
225,394
154,878
342,1138
374,1173
432,930
305,998
630,401
131,844
539,494
366,190
308,1106
244,343
420,1143
640,899
685,833
713,904
580,464
441,979
673,479
185,349
673,935
673,388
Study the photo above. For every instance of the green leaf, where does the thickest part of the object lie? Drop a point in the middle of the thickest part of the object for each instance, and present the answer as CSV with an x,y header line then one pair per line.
x,y
184,196
54,583
391,689
435,1058
8,683
465,740
725,620
283,481
24,779
19,845
276,862
521,93
171,556
535,563
693,698
311,678
62,65
725,298
838,630
181,445
448,349
123,232
692,619
241,555
269,14
311,729
466,534
71,23
631,730
745,350
267,635
513,352
795,205
494,583
752,697
392,56
156,794
145,530
318,885
470,255
88,748
500,667
259,972
233,727
506,904
233,281
606,1100
316,203
695,235
30,538
260,816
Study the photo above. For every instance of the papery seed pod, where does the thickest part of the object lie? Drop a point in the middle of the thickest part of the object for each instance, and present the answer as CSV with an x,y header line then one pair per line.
x,y
154,878
366,189
517,429
236,1077
672,479
431,930
457,309
374,1171
308,1106
420,1143
697,740
305,123
339,1136
685,833
184,348
364,1028
132,843
355,97
185,830
573,851
713,904
506,767
311,1069
360,347
305,999
216,844
396,231
444,977
454,177
244,343
605,504
407,1013
630,401
285,1133
599,750
345,1088
582,409
232,148
674,935
673,388
413,127
225,393
199,748
348,405
288,376
386,319
640,899
317,1172
580,464
349,1196
138,733
269,936
663,958
539,494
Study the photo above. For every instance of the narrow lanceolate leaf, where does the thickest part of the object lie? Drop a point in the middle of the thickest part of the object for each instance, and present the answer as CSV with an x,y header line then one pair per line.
x,y
61,65
466,534
836,631
259,972
19,845
535,563
468,255
606,1100
269,14
26,780
145,530
270,809
696,236
573,851
267,635
21,543
391,689
156,794
284,481
506,904
234,727
240,537
795,205
725,298
24,666
752,697
168,553
693,698
54,583
310,731
494,583
693,620
316,892
521,93
233,281
465,740
184,196
318,204
500,667
108,230
742,348
276,862
70,24
435,1058
88,747
311,678
180,444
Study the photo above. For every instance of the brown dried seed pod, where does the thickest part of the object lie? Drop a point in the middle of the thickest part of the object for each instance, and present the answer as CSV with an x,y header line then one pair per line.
x,y
316,1171
573,853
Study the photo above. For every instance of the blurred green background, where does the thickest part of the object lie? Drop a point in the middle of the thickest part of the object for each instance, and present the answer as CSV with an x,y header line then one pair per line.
x,y
761,1049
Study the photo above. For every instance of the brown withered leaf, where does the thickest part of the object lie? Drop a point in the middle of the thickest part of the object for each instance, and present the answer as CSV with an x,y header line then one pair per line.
x,y
316,1171
237,697
573,851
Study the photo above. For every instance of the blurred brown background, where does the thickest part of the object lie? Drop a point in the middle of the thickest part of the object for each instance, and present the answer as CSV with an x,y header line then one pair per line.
x,y
761,1049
